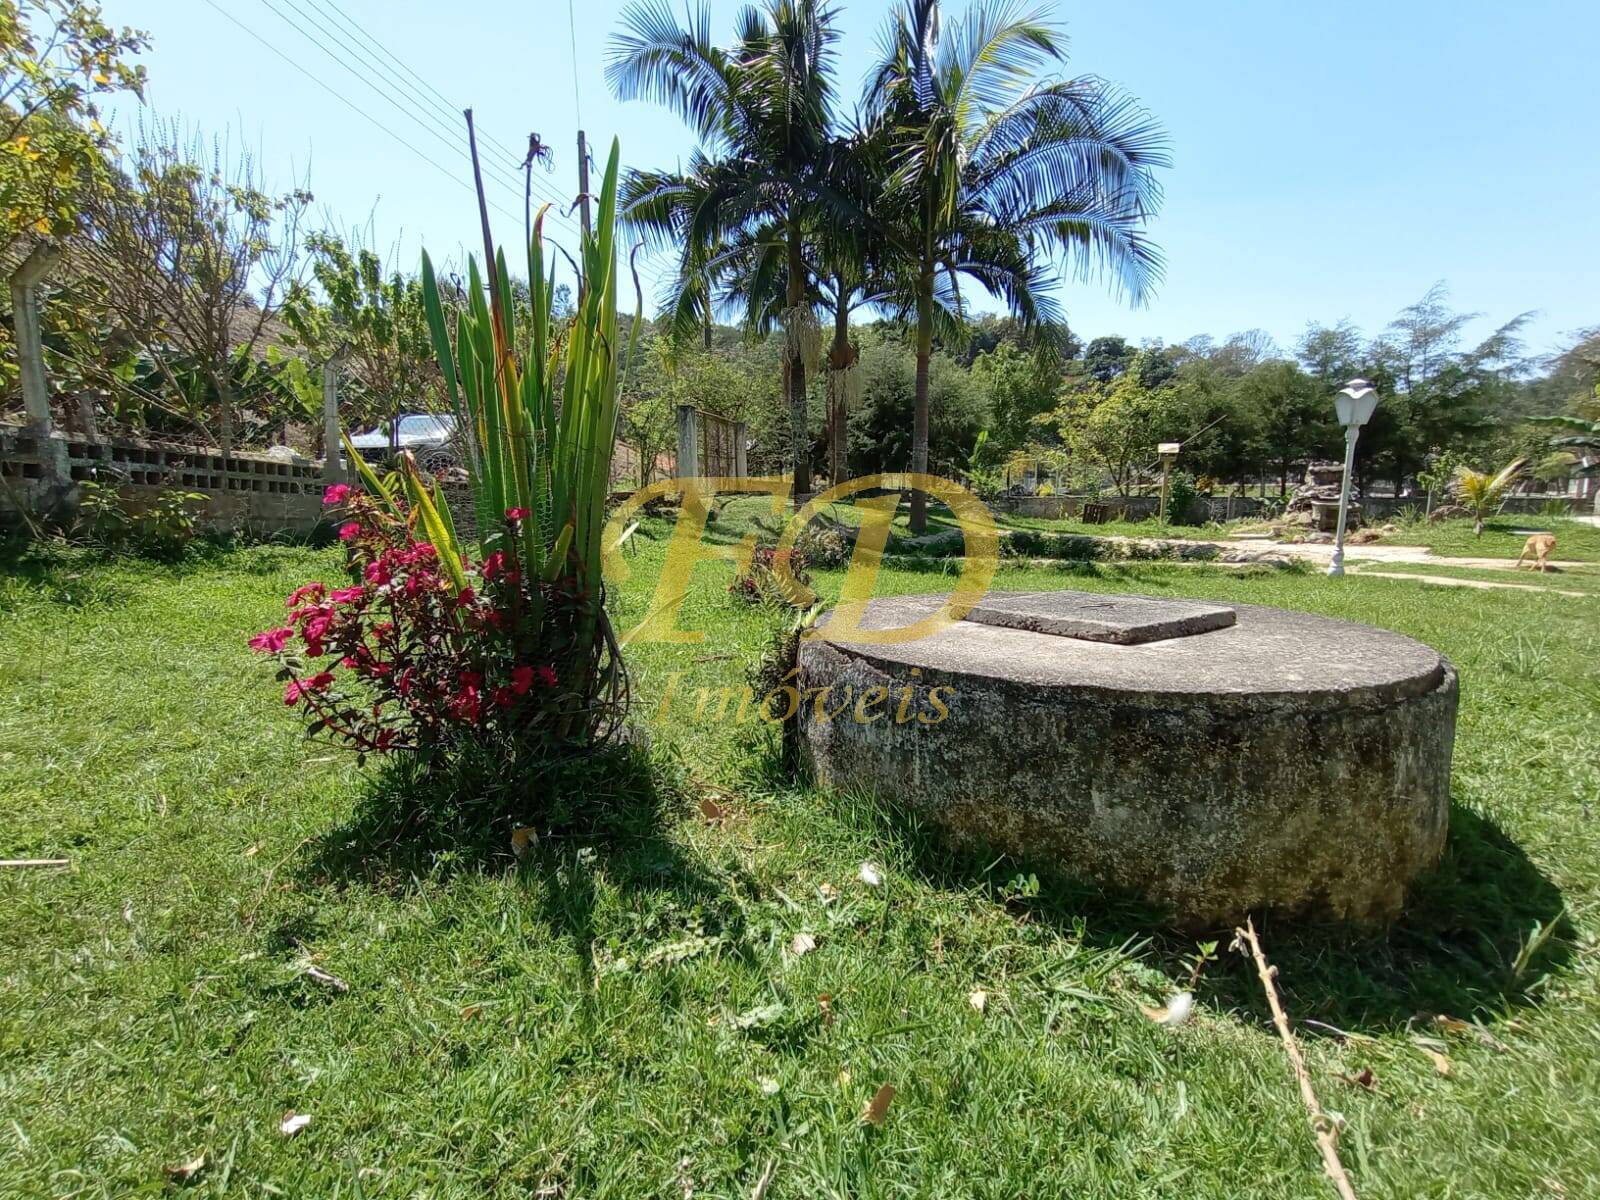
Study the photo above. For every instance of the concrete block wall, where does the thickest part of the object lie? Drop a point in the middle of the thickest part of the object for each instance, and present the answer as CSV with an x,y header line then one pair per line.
x,y
246,491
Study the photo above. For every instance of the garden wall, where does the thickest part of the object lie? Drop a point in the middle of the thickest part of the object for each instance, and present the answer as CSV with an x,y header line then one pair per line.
x,y
252,492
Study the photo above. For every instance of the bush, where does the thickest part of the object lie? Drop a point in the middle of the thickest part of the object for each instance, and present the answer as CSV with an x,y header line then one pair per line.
x,y
413,655
163,526
762,584
1181,495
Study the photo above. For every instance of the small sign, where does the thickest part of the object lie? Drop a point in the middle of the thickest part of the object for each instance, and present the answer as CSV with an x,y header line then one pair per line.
x,y
1171,448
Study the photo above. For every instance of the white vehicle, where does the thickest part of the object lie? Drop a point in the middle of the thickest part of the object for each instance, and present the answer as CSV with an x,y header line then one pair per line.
x,y
431,437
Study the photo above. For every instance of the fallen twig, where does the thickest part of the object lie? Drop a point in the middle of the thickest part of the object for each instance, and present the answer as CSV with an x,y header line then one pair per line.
x,y
1327,1132
35,862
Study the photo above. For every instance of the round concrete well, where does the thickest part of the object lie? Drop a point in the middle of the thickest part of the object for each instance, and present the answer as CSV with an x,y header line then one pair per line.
x,y
1214,759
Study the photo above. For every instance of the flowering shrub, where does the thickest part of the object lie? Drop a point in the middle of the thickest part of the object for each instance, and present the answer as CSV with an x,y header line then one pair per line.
x,y
406,657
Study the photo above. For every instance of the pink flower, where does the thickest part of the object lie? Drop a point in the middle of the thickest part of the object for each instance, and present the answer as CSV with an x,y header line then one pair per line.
x,y
337,493
466,705
547,675
378,573
470,679
304,687
493,565
347,595
272,640
504,697
516,514
465,597
521,679
349,531
314,590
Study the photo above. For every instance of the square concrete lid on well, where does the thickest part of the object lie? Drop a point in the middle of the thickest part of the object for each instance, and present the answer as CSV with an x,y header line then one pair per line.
x,y
1120,620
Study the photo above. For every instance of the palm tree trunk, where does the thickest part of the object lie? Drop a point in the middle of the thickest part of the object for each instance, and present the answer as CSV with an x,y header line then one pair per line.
x,y
797,368
919,420
839,362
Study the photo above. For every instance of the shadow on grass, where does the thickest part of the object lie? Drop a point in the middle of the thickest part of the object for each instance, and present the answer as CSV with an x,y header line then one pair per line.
x,y
1454,950
605,811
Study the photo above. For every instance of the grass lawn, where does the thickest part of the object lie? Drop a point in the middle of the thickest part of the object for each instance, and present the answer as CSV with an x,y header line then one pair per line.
x,y
939,518
1584,577
1503,537
620,1014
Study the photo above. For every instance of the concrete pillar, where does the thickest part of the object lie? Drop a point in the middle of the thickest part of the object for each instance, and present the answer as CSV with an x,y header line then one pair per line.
x,y
332,449
740,436
30,358
688,442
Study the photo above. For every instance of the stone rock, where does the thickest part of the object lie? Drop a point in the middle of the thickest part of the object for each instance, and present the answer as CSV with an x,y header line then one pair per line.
x,y
1287,761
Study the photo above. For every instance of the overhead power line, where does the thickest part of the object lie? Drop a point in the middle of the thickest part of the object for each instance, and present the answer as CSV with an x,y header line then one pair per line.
x,y
543,191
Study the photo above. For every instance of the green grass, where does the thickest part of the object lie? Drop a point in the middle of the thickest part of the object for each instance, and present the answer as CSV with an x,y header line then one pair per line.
x,y
617,1015
1503,537
1584,577
940,518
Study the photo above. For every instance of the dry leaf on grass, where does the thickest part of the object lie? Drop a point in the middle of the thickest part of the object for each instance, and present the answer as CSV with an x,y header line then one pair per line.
x,y
1363,1078
762,1184
878,1107
870,875
827,891
471,1011
825,1003
802,944
711,810
293,1123
523,840
185,1171
979,1000
1176,1012
1441,1062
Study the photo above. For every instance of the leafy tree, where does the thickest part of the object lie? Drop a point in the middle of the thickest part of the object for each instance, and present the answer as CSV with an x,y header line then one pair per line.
x,y
376,321
196,257
1296,419
992,171
56,58
1331,354
1116,427
1106,358
1020,388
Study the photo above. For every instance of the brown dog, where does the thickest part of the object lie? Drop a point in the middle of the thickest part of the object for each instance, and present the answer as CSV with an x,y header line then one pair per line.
x,y
1539,545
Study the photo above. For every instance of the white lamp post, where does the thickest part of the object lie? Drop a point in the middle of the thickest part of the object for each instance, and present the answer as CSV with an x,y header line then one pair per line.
x,y
1354,405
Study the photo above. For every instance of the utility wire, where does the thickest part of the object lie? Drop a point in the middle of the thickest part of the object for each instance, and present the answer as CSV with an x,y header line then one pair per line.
x,y
441,102
511,166
442,134
440,130
357,109
557,204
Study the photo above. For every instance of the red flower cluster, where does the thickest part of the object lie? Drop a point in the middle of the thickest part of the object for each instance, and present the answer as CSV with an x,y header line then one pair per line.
x,y
404,659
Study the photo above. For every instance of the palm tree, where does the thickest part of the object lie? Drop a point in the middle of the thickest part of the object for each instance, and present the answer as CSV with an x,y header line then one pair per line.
x,y
1483,493
763,111
995,173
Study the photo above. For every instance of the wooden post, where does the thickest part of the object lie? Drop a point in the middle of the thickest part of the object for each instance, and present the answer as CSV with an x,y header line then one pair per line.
x,y
688,442
740,434
332,449
30,358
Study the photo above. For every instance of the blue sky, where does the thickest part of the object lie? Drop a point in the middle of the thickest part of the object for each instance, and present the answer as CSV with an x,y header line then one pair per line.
x,y
1330,160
